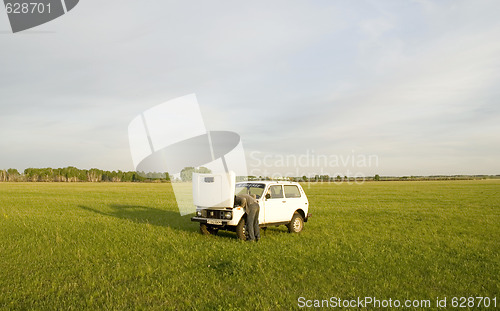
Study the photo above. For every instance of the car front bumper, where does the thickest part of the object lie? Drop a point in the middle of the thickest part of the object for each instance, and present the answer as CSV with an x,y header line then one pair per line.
x,y
211,221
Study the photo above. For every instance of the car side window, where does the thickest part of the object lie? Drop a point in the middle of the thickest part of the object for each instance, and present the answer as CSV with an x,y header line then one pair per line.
x,y
292,191
276,192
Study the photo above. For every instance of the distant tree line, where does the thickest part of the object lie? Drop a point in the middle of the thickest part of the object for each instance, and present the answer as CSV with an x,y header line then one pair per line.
x,y
377,177
73,174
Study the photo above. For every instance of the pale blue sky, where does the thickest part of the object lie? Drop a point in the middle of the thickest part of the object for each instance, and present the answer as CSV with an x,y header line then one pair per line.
x,y
413,82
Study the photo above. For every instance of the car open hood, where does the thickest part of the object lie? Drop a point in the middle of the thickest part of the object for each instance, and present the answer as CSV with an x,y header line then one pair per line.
x,y
214,190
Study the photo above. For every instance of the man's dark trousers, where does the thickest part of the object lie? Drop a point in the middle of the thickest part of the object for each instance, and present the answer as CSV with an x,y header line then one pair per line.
x,y
253,221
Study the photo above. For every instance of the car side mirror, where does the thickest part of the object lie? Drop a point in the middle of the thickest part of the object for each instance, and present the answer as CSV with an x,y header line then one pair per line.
x,y
268,196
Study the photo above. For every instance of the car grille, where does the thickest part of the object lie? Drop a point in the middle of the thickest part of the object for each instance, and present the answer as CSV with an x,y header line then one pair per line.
x,y
216,214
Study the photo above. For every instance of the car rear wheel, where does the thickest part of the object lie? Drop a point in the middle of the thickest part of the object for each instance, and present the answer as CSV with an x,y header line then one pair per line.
x,y
296,224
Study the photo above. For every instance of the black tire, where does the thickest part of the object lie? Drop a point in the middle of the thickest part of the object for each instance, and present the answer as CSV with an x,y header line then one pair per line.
x,y
296,224
207,230
241,230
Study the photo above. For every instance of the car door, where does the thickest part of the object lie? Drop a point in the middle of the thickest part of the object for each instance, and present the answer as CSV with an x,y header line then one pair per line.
x,y
275,205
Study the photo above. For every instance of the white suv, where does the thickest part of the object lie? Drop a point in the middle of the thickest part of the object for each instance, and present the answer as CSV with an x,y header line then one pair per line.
x,y
281,203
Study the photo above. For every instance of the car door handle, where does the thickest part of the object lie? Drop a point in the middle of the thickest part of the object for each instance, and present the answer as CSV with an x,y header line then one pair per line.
x,y
283,201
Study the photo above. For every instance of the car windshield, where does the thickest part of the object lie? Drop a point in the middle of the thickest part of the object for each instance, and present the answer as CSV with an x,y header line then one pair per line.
x,y
250,188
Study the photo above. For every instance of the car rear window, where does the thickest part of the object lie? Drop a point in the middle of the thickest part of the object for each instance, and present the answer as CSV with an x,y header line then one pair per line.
x,y
292,191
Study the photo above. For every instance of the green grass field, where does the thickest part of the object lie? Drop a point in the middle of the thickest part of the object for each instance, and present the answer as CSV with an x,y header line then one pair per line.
x,y
116,246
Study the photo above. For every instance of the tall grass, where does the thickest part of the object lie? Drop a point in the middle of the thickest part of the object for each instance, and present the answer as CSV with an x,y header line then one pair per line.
x,y
124,246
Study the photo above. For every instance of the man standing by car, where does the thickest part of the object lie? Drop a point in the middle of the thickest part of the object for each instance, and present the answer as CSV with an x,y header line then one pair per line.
x,y
252,210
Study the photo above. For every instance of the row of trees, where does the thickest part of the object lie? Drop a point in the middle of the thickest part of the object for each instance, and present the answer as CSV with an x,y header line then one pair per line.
x,y
73,174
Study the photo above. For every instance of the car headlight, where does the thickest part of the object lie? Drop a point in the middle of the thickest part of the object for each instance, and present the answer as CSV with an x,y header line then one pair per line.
x,y
228,215
198,213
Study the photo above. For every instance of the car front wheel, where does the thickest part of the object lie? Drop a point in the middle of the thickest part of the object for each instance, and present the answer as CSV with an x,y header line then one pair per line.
x,y
241,230
207,230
